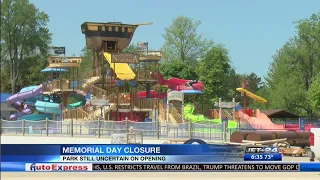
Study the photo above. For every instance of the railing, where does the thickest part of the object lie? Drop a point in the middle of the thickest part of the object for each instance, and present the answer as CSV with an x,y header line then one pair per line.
x,y
227,114
61,59
110,107
174,112
177,105
46,87
144,103
224,114
59,85
91,75
75,114
95,128
123,98
98,92
162,111
150,53
215,114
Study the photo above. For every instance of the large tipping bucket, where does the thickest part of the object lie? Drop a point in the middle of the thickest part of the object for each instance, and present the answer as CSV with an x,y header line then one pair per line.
x,y
261,136
238,136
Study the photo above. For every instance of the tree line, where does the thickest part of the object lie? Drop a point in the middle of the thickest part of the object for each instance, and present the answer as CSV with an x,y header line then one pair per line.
x,y
292,82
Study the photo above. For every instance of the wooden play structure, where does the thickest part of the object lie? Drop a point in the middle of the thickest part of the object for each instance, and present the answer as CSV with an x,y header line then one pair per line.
x,y
64,84
121,77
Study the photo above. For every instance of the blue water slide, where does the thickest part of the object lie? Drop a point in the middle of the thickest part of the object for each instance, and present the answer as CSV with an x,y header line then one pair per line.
x,y
47,107
36,117
32,100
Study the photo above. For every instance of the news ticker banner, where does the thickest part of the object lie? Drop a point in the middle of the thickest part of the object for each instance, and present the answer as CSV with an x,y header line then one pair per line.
x,y
136,153
186,167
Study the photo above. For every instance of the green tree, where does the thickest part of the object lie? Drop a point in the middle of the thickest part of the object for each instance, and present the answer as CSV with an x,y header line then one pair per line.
x,y
131,48
214,71
263,92
183,42
253,81
294,66
24,34
178,69
314,95
86,63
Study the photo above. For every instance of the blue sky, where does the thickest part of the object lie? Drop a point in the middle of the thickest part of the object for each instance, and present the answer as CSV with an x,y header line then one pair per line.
x,y
251,30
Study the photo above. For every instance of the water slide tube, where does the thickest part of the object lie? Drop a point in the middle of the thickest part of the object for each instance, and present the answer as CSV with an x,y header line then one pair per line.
x,y
261,121
31,100
53,108
122,70
178,84
188,114
36,117
16,99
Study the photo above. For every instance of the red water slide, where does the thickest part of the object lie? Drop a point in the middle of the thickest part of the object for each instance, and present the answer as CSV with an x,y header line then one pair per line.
x,y
179,84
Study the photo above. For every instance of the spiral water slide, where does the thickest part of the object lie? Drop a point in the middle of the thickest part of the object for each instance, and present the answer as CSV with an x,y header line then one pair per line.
x,y
16,99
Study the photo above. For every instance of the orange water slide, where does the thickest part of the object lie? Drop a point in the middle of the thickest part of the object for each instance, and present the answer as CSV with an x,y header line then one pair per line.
x,y
260,121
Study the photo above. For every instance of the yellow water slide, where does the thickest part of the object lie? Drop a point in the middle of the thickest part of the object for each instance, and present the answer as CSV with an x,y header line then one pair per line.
x,y
122,70
251,95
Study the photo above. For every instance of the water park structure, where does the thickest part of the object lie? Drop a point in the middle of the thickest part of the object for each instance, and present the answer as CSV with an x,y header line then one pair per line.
x,y
122,85
50,98
121,79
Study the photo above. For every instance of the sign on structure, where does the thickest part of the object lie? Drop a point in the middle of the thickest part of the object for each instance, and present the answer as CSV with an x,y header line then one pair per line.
x,y
226,104
124,58
175,95
59,50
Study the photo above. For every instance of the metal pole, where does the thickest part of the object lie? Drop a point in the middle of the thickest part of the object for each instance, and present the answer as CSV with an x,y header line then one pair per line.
x,y
168,108
99,133
224,130
23,128
71,127
220,109
182,108
158,128
127,125
190,128
47,127
234,109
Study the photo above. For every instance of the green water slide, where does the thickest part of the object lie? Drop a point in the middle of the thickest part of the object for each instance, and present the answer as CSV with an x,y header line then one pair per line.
x,y
188,114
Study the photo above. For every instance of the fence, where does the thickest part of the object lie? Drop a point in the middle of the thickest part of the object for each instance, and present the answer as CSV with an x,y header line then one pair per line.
x,y
159,130
155,129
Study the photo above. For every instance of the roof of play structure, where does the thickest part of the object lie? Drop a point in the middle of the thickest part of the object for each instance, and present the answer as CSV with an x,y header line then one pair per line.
x,y
278,113
191,92
53,70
